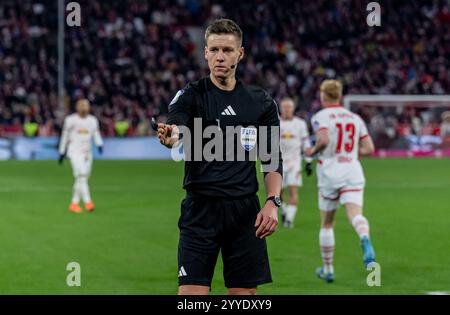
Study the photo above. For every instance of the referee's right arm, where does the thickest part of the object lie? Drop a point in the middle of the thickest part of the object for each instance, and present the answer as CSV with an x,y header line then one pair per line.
x,y
180,112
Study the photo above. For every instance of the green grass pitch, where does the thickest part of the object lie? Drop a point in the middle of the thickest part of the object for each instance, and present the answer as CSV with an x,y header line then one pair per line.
x,y
129,244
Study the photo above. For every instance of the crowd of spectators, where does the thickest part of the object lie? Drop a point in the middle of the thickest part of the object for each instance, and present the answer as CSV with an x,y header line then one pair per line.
x,y
397,127
129,57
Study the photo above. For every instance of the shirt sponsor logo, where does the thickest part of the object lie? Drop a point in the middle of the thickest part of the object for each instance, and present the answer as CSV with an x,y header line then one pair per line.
x,y
287,135
83,131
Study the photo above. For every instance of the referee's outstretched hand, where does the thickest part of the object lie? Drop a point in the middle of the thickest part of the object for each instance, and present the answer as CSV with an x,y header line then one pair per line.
x,y
168,134
266,220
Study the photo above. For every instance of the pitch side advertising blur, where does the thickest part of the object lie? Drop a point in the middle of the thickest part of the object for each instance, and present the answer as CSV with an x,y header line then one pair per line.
x,y
22,148
148,148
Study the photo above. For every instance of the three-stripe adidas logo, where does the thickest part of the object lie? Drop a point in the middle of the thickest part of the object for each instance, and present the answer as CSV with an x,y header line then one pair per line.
x,y
182,272
229,111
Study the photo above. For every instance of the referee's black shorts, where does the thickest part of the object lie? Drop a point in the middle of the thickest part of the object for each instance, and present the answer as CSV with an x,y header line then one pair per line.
x,y
208,225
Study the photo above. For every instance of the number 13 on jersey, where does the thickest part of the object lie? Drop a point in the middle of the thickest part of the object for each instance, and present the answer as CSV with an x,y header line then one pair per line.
x,y
346,137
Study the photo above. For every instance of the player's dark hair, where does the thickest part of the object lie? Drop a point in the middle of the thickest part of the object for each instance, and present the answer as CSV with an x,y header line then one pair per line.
x,y
224,26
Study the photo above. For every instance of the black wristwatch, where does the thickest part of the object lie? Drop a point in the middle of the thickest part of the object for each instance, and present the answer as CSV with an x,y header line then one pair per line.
x,y
276,200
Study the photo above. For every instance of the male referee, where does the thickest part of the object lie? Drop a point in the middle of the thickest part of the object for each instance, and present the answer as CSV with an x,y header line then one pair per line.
x,y
221,210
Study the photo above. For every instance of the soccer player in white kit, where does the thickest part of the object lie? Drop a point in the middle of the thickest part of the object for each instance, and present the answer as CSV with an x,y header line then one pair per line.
x,y
294,139
341,137
79,130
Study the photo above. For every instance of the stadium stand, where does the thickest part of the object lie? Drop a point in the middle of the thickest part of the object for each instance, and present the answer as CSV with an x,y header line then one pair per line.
x,y
130,57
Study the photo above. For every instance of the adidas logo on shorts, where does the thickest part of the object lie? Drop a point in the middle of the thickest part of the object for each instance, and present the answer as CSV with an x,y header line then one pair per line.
x,y
182,272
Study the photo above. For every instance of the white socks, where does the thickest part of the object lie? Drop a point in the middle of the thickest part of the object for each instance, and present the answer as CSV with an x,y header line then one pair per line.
x,y
326,240
327,243
81,190
283,208
290,212
361,225
75,193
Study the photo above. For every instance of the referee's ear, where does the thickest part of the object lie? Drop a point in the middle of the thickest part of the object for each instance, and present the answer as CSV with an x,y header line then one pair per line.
x,y
241,53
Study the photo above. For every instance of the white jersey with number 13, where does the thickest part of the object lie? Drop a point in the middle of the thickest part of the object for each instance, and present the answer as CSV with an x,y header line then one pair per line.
x,y
339,164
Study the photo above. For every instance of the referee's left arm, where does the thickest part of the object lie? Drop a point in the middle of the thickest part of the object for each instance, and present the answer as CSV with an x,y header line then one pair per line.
x,y
267,219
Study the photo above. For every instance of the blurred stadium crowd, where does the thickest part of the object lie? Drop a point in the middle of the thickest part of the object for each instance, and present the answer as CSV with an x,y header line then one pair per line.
x,y
130,57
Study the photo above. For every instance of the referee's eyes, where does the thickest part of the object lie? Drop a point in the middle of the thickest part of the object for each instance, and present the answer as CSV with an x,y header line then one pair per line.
x,y
225,50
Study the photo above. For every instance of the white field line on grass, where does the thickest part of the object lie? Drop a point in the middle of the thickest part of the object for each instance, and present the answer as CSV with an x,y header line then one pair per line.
x,y
52,189
406,185
119,188
438,293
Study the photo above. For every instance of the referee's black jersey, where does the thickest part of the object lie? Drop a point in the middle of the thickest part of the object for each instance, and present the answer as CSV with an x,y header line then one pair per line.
x,y
244,106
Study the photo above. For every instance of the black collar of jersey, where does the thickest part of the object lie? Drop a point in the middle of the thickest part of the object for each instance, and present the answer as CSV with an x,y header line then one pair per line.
x,y
210,85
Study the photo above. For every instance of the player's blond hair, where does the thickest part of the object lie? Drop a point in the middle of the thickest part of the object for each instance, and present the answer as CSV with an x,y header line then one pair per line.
x,y
288,99
445,115
332,90
82,101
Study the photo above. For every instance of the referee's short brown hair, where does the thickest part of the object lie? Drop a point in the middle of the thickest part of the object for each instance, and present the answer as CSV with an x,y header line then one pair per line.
x,y
224,26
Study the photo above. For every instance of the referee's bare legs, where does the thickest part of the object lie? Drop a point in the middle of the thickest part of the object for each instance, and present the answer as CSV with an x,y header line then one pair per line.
x,y
204,290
